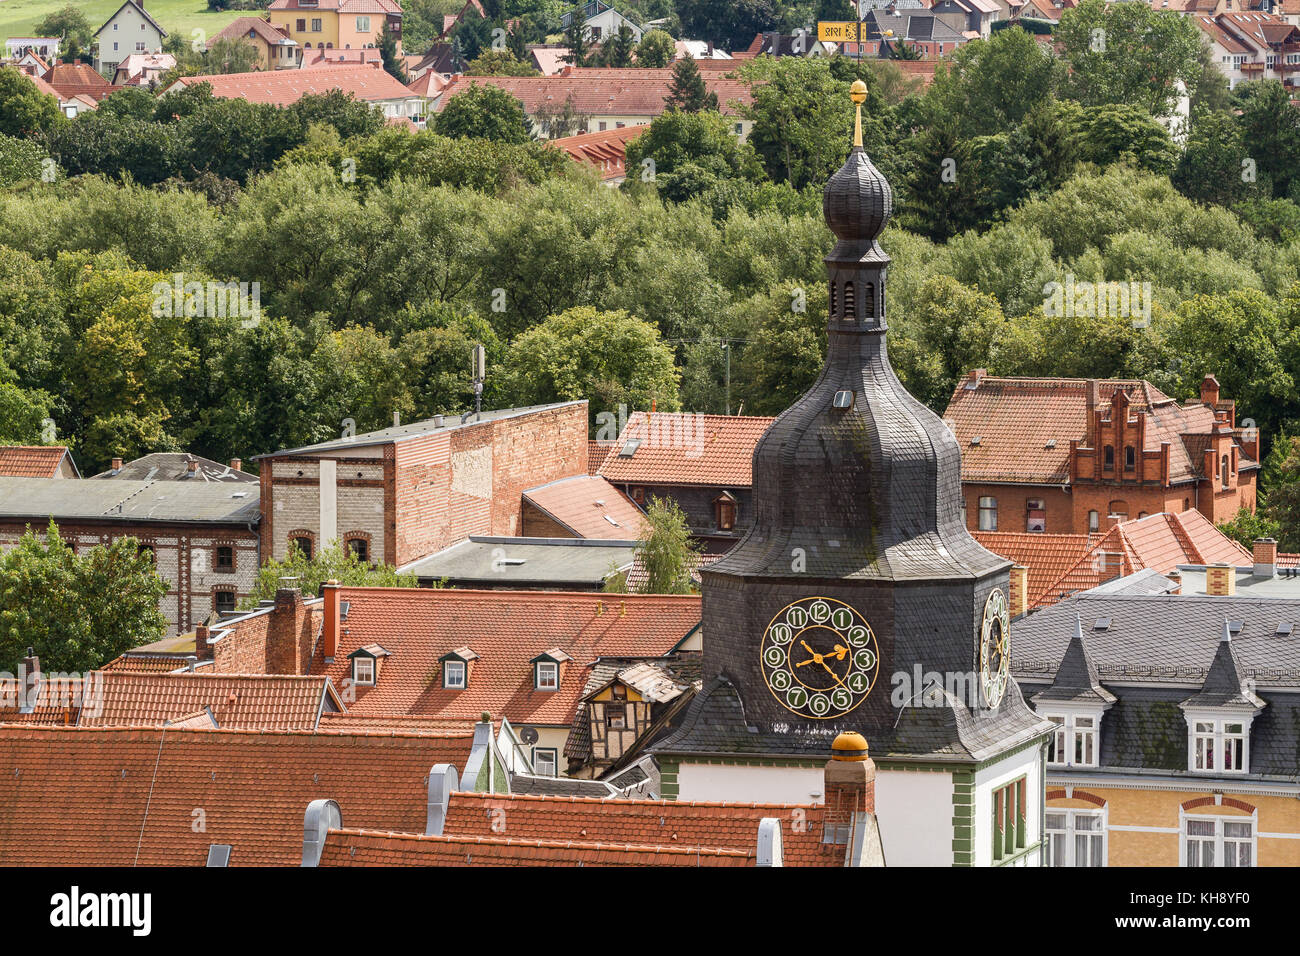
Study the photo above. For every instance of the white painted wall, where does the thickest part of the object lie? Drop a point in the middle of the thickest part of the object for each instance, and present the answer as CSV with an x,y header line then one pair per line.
x,y
914,810
989,779
329,503
751,784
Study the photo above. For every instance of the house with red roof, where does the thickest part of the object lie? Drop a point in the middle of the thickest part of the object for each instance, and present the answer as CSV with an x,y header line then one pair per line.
x,y
37,461
368,83
606,151
1054,455
276,50
78,81
702,462
1250,44
606,98
456,654
584,506
337,24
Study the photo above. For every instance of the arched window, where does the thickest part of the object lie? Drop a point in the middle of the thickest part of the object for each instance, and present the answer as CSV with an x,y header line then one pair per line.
x,y
850,306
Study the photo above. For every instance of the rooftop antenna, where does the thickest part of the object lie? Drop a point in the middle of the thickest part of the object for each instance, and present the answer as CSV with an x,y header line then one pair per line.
x,y
479,362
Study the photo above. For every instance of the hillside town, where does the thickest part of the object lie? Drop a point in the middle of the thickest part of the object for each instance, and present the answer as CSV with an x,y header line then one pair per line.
x,y
651,433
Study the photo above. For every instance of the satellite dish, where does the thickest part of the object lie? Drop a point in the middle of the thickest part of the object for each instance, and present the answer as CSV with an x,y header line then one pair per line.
x,y
528,735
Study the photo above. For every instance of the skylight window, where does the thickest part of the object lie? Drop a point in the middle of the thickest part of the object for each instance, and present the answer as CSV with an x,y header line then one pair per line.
x,y
1284,629
843,399
629,448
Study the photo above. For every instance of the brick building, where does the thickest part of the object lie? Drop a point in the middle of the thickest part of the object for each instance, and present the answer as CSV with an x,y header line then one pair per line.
x,y
403,493
1072,456
702,462
203,535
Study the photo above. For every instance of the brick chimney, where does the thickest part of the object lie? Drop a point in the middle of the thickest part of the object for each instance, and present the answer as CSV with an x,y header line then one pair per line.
x,y
1209,390
192,469
1175,582
1019,597
202,649
330,628
236,464
1221,580
30,674
117,465
850,777
288,634
1265,554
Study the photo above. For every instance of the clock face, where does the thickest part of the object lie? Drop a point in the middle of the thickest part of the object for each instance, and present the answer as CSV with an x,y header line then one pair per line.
x,y
819,658
995,648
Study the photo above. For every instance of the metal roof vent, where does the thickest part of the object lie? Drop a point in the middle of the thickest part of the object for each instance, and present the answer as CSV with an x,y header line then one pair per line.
x,y
977,439
1101,624
1234,627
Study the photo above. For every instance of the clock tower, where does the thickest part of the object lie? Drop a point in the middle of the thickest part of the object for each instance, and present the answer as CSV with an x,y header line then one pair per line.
x,y
858,601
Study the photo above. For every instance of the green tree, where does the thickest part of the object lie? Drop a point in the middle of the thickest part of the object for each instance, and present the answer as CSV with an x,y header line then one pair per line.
x,y
1245,526
1128,54
70,25
500,63
687,90
1270,128
607,358
667,553
731,24
24,110
231,55
577,39
656,49
486,112
76,611
392,60
329,563
20,160
702,142
989,86
1284,501
1113,133
1211,166
617,50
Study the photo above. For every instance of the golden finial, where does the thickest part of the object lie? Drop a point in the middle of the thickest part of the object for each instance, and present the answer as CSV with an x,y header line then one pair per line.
x,y
858,93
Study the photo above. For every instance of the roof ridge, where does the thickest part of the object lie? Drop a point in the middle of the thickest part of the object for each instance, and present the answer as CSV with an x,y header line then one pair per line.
x,y
606,801
476,839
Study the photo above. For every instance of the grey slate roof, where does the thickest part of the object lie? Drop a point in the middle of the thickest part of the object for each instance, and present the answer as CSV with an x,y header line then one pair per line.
x,y
1161,652
175,466
1076,679
921,25
439,423
1223,685
487,561
40,499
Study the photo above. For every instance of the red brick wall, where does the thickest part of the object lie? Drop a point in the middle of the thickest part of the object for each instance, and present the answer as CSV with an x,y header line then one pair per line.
x,y
536,524
278,640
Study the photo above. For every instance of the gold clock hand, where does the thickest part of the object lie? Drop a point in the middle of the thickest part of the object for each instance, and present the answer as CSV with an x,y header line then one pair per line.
x,y
832,673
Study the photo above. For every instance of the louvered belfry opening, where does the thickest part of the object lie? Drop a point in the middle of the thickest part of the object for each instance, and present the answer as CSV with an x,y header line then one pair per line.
x,y
850,306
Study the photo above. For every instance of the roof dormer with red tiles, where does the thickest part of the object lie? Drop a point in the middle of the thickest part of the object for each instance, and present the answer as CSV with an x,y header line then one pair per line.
x,y
1076,456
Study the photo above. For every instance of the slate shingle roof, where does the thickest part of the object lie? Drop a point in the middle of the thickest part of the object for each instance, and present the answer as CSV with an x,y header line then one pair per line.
x,y
507,629
1076,679
681,448
84,791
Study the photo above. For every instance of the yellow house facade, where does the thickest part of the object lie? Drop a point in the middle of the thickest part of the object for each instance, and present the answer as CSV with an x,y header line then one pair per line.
x,y
337,24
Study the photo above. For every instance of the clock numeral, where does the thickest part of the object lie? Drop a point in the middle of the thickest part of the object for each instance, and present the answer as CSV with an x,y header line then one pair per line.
x,y
842,618
857,635
858,682
819,611
819,704
841,699
865,659
781,633
774,656
797,617
782,680
796,698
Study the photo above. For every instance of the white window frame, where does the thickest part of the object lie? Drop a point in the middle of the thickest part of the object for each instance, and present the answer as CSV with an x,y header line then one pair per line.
x,y
1066,739
981,508
1218,838
1070,835
547,667
454,667
363,24
1215,728
553,755
357,678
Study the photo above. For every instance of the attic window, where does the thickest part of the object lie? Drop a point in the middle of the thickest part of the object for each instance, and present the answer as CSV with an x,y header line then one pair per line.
x,y
547,675
453,675
219,854
1101,624
1284,629
629,448
363,670
977,439
1234,627
843,399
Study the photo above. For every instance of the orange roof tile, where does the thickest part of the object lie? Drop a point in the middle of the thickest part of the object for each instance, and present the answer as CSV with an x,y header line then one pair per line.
x,y
409,724
599,91
1025,425
245,701
590,507
597,452
362,848
147,663
606,150
1047,556
241,27
683,448
70,79
1159,542
286,87
506,629
84,791
664,823
31,461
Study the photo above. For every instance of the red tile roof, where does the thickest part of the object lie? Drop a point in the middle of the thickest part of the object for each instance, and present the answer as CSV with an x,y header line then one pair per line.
x,y
597,452
57,702
78,796
1017,418
599,92
664,823
430,83
146,663
590,507
243,701
506,629
322,56
242,26
70,79
31,461
1047,556
369,723
362,848
605,150
681,448
1159,542
286,87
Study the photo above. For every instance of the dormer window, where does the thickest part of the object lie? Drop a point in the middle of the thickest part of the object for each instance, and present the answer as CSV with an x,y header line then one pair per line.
x,y
456,667
1074,742
724,512
548,675
1219,746
366,662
